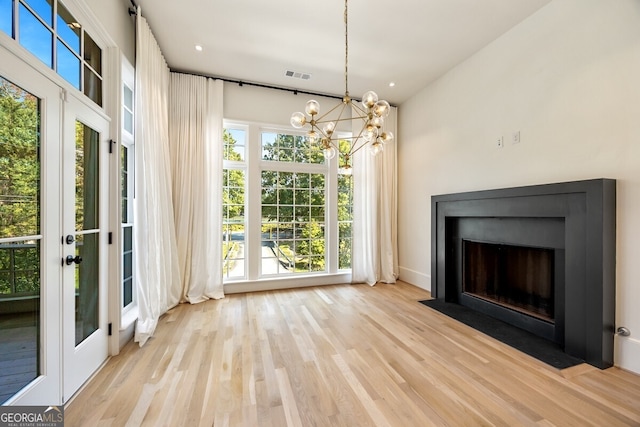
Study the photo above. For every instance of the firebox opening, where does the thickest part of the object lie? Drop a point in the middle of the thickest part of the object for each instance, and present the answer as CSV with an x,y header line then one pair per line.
x,y
519,278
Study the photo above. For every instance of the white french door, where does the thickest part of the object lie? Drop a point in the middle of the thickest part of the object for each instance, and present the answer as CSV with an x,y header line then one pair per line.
x,y
53,237
30,278
85,242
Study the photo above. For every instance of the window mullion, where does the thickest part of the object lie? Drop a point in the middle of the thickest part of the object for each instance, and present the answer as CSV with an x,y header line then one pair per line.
x,y
253,204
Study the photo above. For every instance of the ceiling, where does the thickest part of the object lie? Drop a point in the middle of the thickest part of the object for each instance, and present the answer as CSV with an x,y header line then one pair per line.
x,y
409,42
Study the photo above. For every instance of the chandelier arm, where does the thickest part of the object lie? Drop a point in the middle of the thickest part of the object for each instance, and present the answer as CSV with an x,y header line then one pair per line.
x,y
360,109
321,118
320,131
360,147
354,144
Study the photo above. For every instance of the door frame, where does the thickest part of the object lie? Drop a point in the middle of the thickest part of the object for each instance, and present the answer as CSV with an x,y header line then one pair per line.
x,y
19,67
49,382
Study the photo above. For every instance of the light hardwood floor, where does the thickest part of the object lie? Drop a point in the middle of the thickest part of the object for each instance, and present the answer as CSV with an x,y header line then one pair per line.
x,y
348,355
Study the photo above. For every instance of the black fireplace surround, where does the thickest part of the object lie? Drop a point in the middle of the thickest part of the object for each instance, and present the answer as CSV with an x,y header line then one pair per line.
x,y
570,227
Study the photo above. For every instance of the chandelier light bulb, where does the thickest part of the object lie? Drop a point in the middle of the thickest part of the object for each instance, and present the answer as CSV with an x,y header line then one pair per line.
x,y
370,133
381,108
329,153
345,169
329,128
312,135
312,108
369,99
377,122
386,137
376,148
298,120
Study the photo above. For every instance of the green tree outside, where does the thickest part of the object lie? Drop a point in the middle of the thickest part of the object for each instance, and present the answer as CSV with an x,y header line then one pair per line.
x,y
19,188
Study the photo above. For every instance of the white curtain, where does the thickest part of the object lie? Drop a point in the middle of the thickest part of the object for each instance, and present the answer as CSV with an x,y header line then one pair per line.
x,y
195,135
157,275
375,233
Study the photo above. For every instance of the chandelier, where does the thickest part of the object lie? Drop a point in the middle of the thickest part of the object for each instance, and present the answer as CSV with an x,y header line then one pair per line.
x,y
321,128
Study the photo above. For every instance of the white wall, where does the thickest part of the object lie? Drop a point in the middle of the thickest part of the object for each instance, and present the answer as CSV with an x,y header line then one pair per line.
x,y
567,78
268,106
114,17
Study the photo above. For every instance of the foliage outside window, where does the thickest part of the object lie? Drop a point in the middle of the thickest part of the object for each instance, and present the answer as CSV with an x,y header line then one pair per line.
x,y
345,220
233,193
19,191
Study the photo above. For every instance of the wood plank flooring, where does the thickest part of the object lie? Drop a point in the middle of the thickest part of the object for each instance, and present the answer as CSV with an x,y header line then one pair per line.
x,y
18,352
344,355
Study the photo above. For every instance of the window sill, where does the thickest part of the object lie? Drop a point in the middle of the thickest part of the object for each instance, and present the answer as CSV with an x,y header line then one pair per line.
x,y
128,318
270,284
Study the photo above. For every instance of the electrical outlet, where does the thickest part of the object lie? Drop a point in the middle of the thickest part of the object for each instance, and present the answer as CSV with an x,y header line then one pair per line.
x,y
515,137
500,142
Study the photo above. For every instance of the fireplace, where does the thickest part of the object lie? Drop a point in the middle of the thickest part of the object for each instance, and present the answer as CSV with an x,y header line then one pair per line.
x,y
541,258
517,278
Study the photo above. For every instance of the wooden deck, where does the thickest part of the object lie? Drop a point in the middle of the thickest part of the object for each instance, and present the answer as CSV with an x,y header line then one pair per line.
x,y
349,355
18,352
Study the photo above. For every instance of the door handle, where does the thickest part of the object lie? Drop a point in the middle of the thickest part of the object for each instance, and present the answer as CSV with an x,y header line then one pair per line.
x,y
71,259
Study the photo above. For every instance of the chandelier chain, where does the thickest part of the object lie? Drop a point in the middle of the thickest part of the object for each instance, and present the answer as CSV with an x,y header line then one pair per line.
x,y
346,50
322,128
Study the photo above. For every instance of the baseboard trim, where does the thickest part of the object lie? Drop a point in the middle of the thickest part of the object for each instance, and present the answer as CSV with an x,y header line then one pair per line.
x,y
627,354
416,278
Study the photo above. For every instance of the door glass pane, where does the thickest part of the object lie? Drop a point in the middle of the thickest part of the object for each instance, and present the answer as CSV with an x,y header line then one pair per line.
x,y
92,86
68,28
19,256
87,174
68,65
35,37
87,290
6,16
127,109
43,8
87,197
127,265
92,54
124,182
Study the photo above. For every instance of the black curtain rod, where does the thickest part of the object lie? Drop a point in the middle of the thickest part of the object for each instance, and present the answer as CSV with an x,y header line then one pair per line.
x,y
135,8
242,83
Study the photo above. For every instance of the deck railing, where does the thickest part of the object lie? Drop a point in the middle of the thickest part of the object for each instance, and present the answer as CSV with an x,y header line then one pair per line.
x,y
19,270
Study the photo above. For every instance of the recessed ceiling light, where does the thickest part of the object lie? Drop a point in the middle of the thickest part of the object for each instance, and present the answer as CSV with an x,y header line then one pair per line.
x,y
392,84
199,48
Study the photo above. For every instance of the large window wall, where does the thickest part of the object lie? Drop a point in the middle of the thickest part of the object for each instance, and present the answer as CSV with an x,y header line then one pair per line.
x,y
283,215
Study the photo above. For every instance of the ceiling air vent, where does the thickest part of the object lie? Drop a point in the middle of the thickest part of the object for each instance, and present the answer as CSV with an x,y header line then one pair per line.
x,y
297,75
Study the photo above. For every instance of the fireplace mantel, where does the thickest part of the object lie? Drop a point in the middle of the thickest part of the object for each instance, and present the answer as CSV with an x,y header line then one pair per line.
x,y
587,210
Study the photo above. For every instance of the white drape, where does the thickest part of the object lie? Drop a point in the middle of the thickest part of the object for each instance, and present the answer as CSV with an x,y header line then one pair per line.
x,y
156,268
195,135
375,233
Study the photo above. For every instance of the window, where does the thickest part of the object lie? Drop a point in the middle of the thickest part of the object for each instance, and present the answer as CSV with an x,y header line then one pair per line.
x,y
345,220
233,218
61,43
297,223
293,222
127,152
6,16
